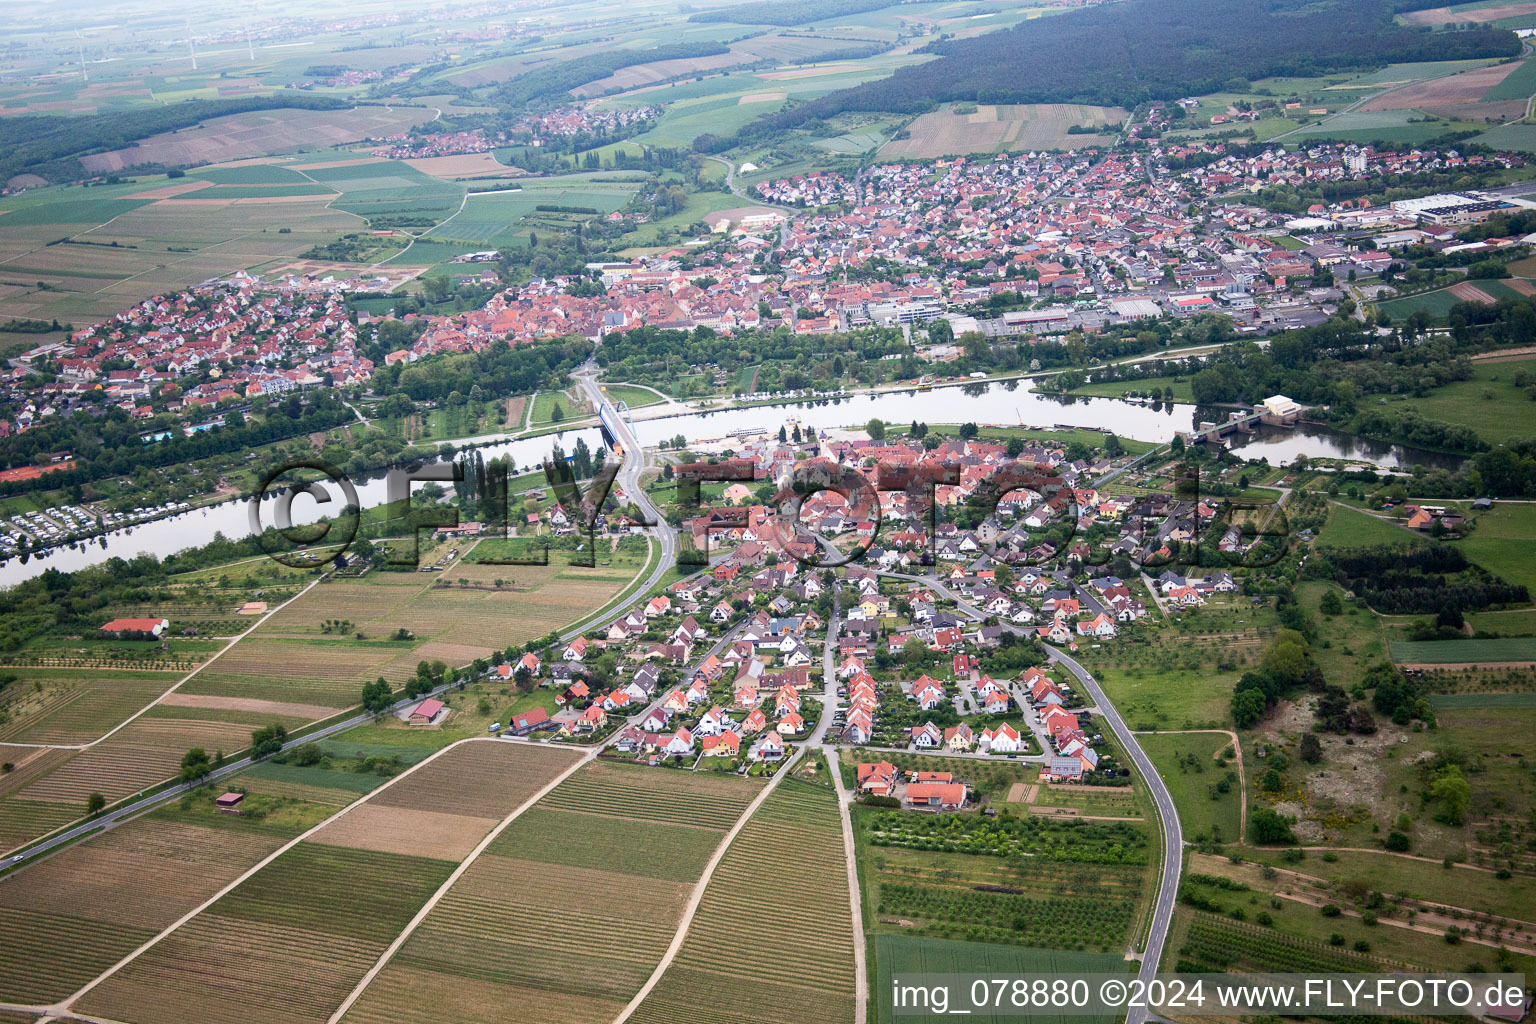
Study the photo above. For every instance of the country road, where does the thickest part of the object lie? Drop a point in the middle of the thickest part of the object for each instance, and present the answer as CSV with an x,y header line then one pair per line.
x,y
1173,837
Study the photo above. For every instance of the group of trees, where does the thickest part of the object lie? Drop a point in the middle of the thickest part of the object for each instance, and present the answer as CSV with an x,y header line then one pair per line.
x,y
1423,579
497,370
109,445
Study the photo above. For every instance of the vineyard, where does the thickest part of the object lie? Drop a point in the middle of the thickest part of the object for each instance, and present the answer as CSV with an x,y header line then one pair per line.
x,y
75,914
609,788
290,942
751,907
906,955
1218,944
23,820
653,849
1061,922
1088,842
486,779
285,946
71,709
602,864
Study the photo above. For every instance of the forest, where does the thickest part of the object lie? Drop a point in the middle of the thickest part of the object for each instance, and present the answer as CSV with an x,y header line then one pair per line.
x,y
49,146
1124,54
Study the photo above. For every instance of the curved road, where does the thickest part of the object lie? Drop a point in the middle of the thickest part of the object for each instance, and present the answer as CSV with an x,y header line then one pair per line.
x,y
1173,836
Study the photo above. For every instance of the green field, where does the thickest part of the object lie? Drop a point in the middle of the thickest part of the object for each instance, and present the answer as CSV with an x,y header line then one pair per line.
x,y
1182,390
1515,136
1464,701
1187,764
1453,652
1490,402
900,956
1351,528
1519,84
634,397
1436,303
1501,543
389,187
254,174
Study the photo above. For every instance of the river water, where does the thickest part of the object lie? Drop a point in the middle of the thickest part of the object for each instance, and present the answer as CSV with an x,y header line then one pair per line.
x,y
995,404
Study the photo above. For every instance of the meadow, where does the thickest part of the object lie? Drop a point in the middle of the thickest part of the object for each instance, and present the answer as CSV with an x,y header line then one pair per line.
x,y
1501,542
1490,403
1351,528
1187,763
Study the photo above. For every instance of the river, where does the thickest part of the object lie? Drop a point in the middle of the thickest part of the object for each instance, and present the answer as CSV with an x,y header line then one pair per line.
x,y
986,404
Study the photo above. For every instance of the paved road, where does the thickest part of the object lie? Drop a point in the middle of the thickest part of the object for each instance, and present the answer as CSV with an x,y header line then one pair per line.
x,y
730,183
828,704
1173,837
629,472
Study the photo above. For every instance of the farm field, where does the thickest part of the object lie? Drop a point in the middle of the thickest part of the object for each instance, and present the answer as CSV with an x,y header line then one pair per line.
x,y
374,187
1388,126
811,935
997,129
161,243
296,936
1436,303
74,914
289,671
1466,94
1453,652
1516,136
622,844
258,133
1518,84
1472,701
